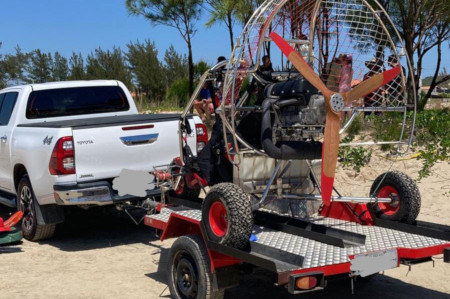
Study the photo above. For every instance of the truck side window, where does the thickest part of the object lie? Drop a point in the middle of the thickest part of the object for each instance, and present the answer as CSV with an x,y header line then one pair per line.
x,y
7,106
2,96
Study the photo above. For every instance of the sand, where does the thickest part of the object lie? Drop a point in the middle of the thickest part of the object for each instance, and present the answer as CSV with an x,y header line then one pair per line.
x,y
95,255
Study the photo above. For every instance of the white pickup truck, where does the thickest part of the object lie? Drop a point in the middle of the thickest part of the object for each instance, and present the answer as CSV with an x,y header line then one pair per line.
x,y
62,144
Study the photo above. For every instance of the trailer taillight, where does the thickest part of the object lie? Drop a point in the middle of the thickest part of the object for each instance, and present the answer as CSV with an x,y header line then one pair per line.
x,y
62,160
202,136
306,283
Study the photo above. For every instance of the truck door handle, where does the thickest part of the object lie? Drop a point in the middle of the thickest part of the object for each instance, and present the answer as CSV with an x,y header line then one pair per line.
x,y
4,138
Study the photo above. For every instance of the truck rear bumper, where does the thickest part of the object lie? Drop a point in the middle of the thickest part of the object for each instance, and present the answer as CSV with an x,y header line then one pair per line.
x,y
97,194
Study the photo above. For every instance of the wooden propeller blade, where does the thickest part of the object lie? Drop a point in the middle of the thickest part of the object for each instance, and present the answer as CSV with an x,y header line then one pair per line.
x,y
371,85
14,219
330,150
300,64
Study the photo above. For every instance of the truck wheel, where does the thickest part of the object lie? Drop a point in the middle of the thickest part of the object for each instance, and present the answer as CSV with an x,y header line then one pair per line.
x,y
26,202
190,270
227,215
402,188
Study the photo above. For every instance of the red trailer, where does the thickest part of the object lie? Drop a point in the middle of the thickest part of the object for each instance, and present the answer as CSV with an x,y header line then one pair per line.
x,y
304,253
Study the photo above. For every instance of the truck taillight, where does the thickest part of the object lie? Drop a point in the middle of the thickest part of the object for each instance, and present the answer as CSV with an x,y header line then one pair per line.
x,y
62,160
202,136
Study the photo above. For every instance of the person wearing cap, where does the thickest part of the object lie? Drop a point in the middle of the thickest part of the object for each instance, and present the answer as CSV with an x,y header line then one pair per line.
x,y
395,88
373,99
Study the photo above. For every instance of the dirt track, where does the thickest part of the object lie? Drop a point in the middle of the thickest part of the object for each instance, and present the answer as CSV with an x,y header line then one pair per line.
x,y
98,256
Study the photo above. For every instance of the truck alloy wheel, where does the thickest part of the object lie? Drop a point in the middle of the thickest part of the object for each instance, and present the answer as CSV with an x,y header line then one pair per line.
x,y
26,205
405,194
26,202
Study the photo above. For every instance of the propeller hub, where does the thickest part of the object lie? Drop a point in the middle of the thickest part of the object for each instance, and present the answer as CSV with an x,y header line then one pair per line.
x,y
337,103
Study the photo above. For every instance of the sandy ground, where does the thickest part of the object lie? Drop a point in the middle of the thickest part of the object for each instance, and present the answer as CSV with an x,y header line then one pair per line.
x,y
95,255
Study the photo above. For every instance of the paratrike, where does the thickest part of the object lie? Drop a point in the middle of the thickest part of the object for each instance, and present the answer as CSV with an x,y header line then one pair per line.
x,y
267,167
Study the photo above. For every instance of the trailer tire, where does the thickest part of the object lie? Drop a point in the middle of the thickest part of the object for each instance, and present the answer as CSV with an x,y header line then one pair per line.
x,y
189,274
26,202
227,215
402,187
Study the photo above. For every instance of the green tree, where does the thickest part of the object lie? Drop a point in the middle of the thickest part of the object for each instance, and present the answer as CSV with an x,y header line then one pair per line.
x,y
200,68
415,21
13,67
147,70
179,14
223,11
438,36
110,65
76,67
176,65
39,67
2,72
60,68
245,8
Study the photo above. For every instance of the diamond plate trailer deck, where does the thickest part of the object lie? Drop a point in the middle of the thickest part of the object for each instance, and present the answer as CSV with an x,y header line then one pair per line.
x,y
319,246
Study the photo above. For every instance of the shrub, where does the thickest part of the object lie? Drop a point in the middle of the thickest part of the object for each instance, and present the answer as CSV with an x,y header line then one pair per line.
x,y
179,92
356,125
353,157
433,136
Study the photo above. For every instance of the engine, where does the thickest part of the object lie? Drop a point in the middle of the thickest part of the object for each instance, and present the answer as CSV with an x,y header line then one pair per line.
x,y
299,110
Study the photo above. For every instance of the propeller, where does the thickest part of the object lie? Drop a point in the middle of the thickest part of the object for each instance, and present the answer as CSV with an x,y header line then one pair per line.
x,y
334,103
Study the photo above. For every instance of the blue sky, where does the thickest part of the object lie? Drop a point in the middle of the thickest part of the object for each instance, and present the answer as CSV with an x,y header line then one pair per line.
x,y
83,25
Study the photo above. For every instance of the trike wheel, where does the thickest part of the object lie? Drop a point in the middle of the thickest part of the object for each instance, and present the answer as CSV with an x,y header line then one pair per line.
x,y
403,190
227,215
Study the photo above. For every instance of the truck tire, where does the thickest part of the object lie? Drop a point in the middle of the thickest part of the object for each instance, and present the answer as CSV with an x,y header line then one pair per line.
x,y
26,202
396,184
227,215
189,274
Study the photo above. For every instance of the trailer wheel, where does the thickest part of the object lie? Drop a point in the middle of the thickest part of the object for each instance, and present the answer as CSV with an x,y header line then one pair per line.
x,y
227,215
402,188
190,271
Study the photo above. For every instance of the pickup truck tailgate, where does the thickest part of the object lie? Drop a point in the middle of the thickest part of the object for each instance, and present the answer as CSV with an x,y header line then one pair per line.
x,y
102,153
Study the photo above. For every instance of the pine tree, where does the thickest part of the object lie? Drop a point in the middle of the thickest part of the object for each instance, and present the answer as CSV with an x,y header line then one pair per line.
x,y
147,69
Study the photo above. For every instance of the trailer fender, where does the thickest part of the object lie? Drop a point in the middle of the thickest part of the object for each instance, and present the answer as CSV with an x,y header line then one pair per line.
x,y
179,225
